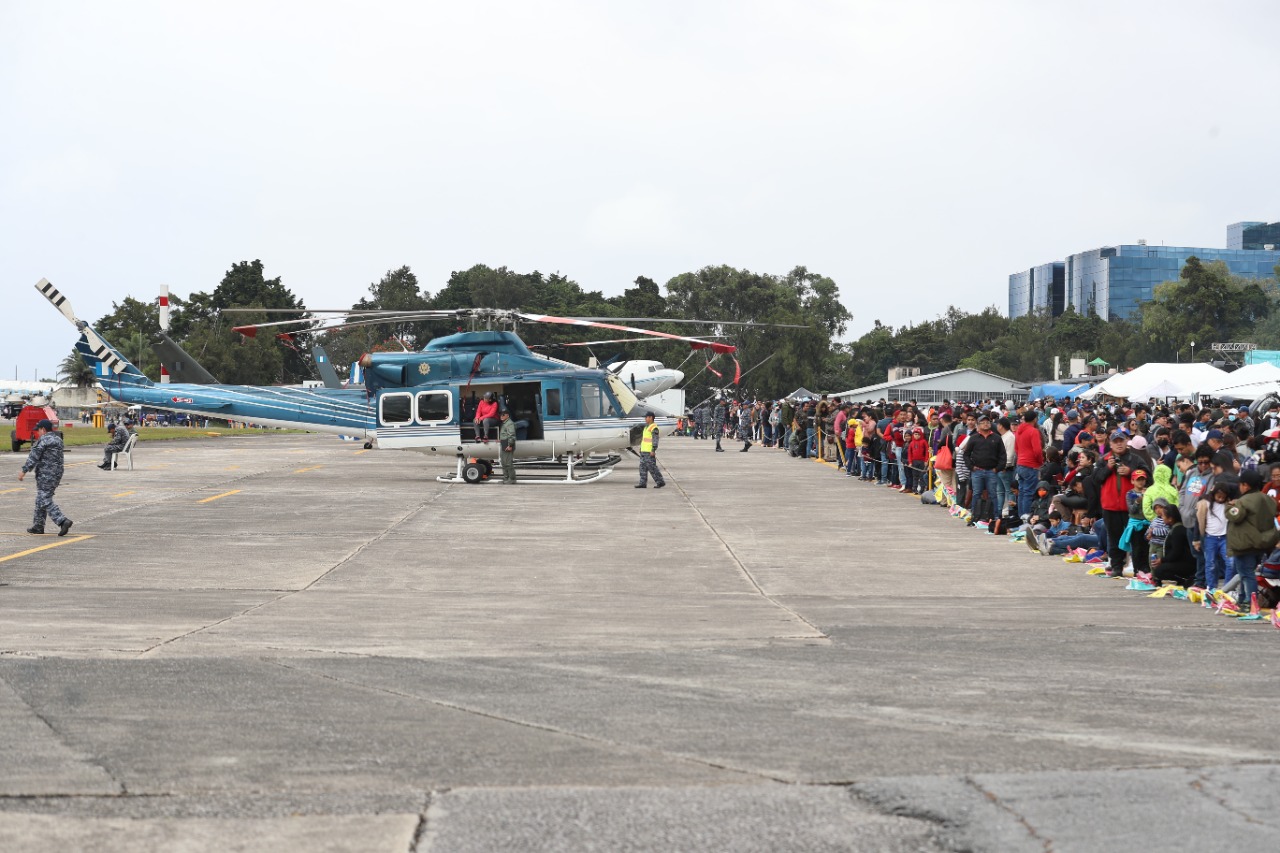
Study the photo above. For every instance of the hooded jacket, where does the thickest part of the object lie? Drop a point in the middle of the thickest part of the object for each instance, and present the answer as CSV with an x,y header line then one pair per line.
x,y
1161,488
1251,524
1041,503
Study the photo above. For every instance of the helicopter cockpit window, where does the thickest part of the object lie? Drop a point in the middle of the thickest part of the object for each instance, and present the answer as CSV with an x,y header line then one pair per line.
x,y
553,402
395,409
435,407
622,394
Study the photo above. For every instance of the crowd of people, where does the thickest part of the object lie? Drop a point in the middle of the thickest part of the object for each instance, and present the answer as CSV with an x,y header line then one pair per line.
x,y
1170,493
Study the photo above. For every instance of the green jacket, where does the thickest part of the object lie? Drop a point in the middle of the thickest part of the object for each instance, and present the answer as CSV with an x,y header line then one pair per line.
x,y
507,434
1251,524
1161,488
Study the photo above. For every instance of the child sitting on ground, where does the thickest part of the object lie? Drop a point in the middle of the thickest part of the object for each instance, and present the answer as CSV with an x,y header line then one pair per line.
x,y
1041,536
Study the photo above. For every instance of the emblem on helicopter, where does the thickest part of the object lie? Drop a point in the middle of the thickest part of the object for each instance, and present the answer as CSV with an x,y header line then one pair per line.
x,y
424,368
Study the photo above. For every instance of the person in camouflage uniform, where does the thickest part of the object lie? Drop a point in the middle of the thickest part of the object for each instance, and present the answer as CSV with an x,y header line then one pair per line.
x,y
717,423
45,459
119,438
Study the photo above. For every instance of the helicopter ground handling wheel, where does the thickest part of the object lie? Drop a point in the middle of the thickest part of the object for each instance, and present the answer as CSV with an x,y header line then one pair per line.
x,y
539,471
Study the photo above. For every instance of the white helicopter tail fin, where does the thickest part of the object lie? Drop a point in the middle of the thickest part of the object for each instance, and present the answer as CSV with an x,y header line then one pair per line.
x,y
106,361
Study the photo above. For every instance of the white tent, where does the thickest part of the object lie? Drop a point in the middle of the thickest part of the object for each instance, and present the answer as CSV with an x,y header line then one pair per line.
x,y
1249,381
1160,379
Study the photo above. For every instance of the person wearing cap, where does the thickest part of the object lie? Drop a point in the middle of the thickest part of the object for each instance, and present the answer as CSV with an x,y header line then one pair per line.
x,y
1085,440
45,459
1158,532
119,438
1114,477
1251,531
1214,438
1073,429
507,447
984,457
649,454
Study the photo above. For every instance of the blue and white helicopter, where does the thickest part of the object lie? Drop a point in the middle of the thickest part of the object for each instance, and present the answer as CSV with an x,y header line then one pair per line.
x,y
416,400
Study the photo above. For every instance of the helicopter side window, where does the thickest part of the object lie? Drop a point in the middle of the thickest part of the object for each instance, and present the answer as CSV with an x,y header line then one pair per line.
x,y
435,407
594,403
553,402
395,409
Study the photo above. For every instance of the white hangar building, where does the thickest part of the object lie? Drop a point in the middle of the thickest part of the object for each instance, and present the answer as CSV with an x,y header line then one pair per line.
x,y
964,383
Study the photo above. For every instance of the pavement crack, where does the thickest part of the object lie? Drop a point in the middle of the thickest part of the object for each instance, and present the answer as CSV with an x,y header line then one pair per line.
x,y
943,828
542,727
992,798
428,817
66,743
1199,784
818,633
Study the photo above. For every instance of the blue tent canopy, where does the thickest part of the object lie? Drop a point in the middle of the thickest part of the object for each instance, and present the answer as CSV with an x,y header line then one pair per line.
x,y
1039,392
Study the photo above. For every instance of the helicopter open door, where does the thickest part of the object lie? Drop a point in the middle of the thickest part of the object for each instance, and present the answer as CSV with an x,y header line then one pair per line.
x,y
422,420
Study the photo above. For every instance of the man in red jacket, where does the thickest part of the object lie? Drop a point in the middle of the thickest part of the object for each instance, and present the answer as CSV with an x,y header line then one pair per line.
x,y
1114,476
1027,443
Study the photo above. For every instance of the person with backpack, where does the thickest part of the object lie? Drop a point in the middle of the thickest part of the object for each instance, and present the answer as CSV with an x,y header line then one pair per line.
x,y
1251,531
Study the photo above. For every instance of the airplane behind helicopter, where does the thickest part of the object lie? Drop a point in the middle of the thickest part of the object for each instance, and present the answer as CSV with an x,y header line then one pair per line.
x,y
420,400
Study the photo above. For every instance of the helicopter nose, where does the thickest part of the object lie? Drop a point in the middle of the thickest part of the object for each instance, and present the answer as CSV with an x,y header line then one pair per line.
x,y
679,377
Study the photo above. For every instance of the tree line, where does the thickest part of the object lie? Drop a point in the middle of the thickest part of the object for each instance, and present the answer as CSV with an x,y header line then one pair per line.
x,y
773,359
1205,304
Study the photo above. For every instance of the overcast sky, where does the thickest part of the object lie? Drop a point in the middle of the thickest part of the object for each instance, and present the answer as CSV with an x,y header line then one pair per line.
x,y
917,153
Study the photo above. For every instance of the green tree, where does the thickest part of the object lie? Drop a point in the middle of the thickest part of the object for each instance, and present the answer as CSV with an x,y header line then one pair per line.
x,y
1206,304
75,371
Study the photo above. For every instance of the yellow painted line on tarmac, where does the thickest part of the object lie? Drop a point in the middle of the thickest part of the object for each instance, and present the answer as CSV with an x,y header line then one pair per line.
x,y
303,470
59,543
11,491
223,495
124,494
231,468
77,464
358,452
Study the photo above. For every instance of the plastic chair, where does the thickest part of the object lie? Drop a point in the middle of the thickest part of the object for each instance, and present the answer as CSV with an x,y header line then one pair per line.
x,y
126,451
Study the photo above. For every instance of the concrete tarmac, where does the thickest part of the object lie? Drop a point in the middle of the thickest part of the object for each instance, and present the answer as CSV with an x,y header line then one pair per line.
x,y
288,643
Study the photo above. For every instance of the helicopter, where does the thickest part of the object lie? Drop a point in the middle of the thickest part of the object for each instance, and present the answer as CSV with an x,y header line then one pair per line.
x,y
417,400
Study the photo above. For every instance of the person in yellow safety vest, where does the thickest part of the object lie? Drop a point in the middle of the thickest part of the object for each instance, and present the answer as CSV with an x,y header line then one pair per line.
x,y
648,455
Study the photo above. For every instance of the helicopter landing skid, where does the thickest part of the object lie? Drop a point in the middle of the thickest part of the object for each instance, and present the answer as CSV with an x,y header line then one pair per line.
x,y
474,472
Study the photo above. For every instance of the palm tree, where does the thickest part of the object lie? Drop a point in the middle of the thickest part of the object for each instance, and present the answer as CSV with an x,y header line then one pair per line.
x,y
75,371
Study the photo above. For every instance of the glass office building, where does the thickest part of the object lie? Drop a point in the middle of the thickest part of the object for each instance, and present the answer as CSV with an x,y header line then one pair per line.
x,y
1253,235
1042,287
1111,281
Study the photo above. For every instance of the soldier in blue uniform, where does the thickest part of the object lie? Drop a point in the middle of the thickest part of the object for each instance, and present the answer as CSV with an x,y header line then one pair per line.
x,y
45,459
648,454
717,423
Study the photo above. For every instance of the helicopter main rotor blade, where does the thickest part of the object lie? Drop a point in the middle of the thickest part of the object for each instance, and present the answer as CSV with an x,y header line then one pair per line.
x,y
692,322
368,319
696,343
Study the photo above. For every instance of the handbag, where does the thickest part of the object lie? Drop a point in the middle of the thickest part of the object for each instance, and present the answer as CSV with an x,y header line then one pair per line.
x,y
944,461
